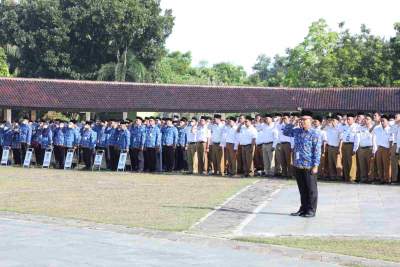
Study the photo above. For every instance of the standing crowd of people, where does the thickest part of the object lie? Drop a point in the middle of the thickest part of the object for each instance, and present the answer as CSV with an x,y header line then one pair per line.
x,y
354,147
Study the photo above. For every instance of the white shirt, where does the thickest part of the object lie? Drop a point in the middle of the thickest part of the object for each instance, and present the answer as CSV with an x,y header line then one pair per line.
x,y
364,137
191,135
230,134
332,136
216,132
267,134
203,133
246,135
381,137
321,133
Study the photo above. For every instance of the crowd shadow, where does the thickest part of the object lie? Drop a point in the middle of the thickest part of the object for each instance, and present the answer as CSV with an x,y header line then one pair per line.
x,y
232,210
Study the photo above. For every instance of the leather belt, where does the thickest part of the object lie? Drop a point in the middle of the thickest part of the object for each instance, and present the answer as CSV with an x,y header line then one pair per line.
x,y
365,147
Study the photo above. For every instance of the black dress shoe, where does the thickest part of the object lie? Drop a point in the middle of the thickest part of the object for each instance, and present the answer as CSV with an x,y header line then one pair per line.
x,y
299,213
308,214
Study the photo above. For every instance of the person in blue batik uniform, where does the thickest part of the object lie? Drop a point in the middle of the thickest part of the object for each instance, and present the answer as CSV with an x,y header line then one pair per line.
x,y
138,134
180,151
152,144
88,144
307,154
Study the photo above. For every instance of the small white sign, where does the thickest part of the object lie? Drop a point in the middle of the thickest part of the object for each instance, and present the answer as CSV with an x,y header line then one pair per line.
x,y
6,154
47,158
122,160
98,159
68,159
28,158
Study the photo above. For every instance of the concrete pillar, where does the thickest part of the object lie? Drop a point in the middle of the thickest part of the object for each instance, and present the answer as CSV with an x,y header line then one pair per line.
x,y
33,115
7,115
124,115
87,116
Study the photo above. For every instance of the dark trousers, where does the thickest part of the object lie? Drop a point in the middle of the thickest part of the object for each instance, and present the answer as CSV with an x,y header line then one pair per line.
x,y
88,156
114,158
1,152
24,148
150,159
180,159
39,154
168,158
307,184
137,160
17,156
59,155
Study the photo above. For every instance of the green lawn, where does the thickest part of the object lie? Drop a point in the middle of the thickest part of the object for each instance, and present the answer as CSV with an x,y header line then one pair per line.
x,y
388,250
163,202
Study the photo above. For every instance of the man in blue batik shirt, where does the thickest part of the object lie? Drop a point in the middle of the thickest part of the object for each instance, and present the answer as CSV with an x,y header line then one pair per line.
x,y
169,141
152,144
307,154
138,134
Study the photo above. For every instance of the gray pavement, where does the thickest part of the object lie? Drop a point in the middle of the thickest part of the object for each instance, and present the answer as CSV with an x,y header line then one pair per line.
x,y
27,243
343,210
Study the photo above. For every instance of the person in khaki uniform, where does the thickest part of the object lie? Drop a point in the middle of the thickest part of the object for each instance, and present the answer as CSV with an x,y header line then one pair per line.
x,y
191,147
377,123
217,149
258,154
267,137
286,144
364,154
241,120
381,149
348,148
203,142
230,141
332,140
247,139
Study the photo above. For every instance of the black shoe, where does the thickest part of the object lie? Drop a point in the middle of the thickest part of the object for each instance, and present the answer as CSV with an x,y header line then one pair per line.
x,y
298,213
308,214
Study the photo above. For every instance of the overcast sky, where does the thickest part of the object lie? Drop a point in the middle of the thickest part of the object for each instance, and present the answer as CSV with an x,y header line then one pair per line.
x,y
237,31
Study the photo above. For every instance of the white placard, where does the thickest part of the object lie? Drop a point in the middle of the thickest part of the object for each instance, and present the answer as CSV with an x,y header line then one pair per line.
x,y
98,159
6,154
68,159
122,160
47,159
28,158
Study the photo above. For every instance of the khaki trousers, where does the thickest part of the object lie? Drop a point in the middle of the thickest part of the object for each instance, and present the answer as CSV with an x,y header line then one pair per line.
x,y
349,169
278,165
202,157
217,157
192,157
332,157
394,165
247,158
364,159
383,163
286,159
231,158
268,157
258,158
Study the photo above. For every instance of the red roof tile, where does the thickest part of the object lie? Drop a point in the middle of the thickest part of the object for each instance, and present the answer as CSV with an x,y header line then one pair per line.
x,y
113,96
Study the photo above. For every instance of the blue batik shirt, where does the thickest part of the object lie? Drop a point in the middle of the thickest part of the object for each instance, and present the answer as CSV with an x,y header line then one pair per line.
x,y
138,135
153,137
307,146
182,136
169,136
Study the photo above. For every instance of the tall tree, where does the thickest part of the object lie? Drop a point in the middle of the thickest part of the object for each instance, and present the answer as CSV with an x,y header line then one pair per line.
x,y
3,64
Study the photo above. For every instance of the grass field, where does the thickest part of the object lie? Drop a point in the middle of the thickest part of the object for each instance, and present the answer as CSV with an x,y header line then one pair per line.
x,y
163,202
388,250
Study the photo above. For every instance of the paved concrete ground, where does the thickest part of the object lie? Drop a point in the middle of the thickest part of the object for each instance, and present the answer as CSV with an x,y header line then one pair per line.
x,y
26,243
343,210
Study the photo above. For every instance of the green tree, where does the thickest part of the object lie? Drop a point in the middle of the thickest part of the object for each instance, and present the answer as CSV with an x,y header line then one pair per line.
x,y
395,55
3,64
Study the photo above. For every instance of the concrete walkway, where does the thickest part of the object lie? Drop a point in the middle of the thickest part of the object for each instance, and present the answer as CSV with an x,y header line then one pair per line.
x,y
343,210
25,243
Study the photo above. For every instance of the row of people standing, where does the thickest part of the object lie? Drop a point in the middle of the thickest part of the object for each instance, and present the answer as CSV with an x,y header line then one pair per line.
x,y
235,145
